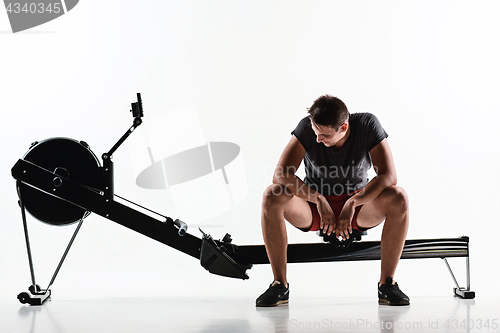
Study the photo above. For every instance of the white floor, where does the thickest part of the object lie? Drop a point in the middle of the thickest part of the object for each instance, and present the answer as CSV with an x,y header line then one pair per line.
x,y
440,314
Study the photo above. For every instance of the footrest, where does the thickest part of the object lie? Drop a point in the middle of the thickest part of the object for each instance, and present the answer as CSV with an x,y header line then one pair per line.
x,y
216,260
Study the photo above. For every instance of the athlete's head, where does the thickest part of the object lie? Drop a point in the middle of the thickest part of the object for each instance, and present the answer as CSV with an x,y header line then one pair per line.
x,y
329,120
329,111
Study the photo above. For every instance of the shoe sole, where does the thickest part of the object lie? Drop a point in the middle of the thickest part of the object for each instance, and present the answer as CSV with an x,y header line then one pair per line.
x,y
387,302
285,302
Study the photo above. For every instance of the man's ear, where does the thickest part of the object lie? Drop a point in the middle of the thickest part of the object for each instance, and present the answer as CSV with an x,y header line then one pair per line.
x,y
343,127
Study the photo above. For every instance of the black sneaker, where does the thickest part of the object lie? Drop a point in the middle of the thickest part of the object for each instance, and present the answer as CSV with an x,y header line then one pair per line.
x,y
275,295
390,294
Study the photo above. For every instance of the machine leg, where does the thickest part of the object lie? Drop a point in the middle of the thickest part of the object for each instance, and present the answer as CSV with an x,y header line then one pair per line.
x,y
460,291
35,295
28,246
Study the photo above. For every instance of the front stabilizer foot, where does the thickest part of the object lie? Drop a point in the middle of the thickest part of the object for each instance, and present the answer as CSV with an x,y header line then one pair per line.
x,y
215,258
34,296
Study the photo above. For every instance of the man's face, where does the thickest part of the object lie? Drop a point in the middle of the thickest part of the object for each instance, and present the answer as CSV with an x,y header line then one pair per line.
x,y
328,135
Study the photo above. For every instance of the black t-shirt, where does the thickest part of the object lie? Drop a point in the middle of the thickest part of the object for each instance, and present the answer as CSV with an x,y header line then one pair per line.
x,y
333,172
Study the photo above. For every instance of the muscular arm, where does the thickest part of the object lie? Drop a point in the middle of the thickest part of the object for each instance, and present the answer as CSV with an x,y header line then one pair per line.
x,y
383,164
288,164
284,174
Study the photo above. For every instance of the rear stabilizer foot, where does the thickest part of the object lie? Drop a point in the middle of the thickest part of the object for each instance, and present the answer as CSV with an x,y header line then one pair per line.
x,y
466,294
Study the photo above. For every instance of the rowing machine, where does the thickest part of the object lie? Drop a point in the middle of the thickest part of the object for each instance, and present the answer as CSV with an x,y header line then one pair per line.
x,y
60,181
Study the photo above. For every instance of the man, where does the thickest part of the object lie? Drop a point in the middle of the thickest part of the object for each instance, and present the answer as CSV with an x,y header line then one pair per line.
x,y
337,148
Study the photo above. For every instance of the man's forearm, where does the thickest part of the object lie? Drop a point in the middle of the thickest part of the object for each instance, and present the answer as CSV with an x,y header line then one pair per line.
x,y
297,187
373,189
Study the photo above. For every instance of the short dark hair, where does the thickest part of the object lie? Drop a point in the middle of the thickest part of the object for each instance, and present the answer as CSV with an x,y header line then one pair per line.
x,y
330,111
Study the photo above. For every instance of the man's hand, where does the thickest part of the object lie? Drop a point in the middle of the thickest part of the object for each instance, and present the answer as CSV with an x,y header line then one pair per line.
x,y
344,227
327,217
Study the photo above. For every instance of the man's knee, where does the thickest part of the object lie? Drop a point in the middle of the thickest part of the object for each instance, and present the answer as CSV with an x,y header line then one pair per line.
x,y
398,198
275,194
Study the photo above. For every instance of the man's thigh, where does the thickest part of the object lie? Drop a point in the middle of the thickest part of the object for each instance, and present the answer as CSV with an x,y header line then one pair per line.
x,y
374,212
298,213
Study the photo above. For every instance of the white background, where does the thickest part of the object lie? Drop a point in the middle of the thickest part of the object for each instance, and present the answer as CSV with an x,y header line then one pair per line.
x,y
428,69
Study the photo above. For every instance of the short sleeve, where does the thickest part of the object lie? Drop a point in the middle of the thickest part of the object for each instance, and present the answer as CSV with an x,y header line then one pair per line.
x,y
305,134
375,133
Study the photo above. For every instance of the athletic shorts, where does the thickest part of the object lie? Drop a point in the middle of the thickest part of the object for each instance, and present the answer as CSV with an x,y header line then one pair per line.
x,y
336,202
